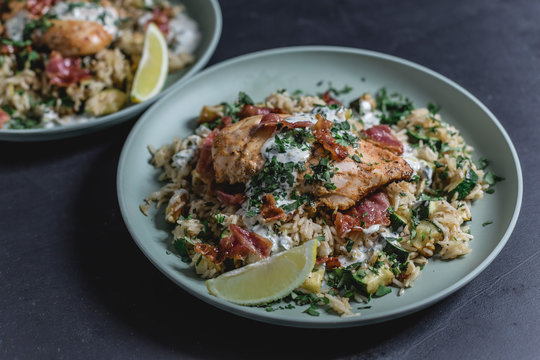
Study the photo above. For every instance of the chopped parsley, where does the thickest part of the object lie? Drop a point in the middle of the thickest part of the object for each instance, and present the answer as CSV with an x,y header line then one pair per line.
x,y
342,134
180,247
270,180
394,107
486,223
433,108
349,245
337,92
491,179
322,173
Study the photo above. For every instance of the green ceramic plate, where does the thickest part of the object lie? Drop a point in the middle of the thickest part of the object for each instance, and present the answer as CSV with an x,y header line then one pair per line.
x,y
208,15
259,74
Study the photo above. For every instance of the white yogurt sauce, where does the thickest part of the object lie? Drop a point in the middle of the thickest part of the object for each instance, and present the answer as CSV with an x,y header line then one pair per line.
x,y
298,117
15,25
372,229
106,16
420,166
369,116
184,35
269,150
279,242
183,157
332,115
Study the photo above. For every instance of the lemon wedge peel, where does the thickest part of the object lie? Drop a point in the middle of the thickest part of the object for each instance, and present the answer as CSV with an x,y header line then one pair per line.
x,y
268,279
153,68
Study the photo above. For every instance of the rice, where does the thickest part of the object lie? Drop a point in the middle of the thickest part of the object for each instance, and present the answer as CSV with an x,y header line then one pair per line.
x,y
205,219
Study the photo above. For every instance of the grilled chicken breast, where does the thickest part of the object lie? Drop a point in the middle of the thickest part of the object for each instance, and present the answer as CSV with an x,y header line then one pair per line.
x,y
236,150
355,179
236,157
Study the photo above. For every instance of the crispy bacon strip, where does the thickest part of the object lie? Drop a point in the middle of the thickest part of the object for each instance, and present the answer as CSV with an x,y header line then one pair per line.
x,y
382,136
322,134
273,119
370,211
230,199
7,49
330,262
4,117
269,210
252,110
226,121
329,100
210,251
39,7
161,18
345,224
205,167
240,244
65,71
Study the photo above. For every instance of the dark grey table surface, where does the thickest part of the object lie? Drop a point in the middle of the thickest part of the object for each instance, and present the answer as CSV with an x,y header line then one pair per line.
x,y
74,285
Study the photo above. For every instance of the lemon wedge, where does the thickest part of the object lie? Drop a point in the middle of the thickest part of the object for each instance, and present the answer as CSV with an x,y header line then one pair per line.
x,y
266,280
153,67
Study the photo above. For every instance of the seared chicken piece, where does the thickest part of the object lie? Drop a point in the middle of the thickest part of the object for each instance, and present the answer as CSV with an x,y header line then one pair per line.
x,y
236,156
355,179
76,37
236,150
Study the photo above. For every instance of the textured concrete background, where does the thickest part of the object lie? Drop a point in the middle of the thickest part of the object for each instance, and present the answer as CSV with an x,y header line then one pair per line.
x,y
74,285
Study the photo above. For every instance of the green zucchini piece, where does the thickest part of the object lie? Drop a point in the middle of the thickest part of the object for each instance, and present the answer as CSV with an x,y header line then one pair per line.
x,y
370,283
397,223
465,187
420,134
426,235
393,247
355,105
425,209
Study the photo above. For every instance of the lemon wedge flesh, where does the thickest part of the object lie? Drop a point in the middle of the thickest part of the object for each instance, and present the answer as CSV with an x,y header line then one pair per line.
x,y
153,67
266,280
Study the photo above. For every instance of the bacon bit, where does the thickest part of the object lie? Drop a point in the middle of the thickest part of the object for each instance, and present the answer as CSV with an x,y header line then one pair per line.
x,y
210,251
322,134
252,110
262,245
240,244
7,49
345,224
226,121
4,117
65,71
273,119
331,262
269,210
161,18
176,205
329,100
229,199
39,7
205,166
382,136
370,211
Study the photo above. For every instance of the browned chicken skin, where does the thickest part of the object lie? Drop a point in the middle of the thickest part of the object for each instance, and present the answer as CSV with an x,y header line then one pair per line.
x,y
236,150
354,180
76,37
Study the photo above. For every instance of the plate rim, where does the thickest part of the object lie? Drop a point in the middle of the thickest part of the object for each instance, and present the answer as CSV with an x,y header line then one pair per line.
x,y
72,130
340,322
